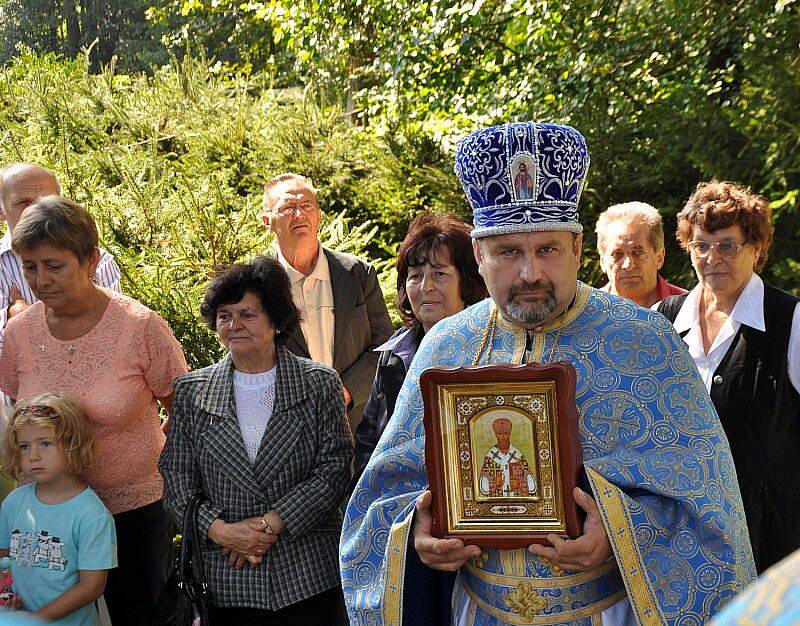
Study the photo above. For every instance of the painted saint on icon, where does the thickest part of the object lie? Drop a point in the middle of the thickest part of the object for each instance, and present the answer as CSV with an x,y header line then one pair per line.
x,y
505,472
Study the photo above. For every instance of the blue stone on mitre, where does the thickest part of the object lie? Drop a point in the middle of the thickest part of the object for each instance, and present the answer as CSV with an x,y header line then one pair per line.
x,y
523,177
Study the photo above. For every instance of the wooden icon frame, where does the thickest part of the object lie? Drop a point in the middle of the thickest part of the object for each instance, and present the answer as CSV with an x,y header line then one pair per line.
x,y
475,501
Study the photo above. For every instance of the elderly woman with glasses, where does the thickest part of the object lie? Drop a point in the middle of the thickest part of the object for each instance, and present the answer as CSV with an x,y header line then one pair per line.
x,y
744,336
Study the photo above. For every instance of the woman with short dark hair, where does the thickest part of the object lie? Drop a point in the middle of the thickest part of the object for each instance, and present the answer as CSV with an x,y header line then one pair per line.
x,y
263,279
437,276
263,437
744,336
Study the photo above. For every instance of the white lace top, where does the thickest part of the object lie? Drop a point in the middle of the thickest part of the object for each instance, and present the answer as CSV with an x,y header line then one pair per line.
x,y
254,395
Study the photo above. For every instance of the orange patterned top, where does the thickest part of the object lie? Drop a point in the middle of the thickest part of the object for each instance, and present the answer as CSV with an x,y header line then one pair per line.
x,y
114,372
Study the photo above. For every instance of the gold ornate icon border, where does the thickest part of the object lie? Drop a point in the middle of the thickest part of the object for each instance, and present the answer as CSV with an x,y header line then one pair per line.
x,y
459,405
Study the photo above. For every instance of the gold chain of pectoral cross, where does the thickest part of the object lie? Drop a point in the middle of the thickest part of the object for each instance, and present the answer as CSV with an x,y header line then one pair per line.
x,y
488,336
558,334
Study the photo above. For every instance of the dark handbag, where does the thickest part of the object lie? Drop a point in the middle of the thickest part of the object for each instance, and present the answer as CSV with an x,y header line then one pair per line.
x,y
185,594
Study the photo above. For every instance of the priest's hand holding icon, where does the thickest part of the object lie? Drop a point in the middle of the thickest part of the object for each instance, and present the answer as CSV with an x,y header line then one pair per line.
x,y
445,555
584,553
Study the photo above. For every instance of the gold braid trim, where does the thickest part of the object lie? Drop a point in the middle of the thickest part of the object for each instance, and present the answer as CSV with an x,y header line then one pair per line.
x,y
487,339
395,571
621,534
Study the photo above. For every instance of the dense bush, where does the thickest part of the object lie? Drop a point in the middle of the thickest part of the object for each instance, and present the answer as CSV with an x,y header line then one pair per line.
x,y
172,162
667,92
172,167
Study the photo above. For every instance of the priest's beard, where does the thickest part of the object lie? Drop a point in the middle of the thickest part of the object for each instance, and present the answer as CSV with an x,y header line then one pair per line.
x,y
531,303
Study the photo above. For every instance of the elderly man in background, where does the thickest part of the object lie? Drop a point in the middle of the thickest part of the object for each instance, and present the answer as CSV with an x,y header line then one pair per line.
x,y
343,313
630,240
22,184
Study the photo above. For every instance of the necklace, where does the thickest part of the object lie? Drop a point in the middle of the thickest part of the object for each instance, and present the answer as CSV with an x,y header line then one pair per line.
x,y
562,319
488,337
90,321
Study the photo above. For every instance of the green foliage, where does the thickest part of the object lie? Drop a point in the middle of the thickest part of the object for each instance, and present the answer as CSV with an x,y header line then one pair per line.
x,y
667,92
172,167
368,97
252,36
107,29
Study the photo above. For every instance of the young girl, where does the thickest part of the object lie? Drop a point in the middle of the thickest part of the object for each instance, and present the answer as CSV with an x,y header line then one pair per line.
x,y
58,533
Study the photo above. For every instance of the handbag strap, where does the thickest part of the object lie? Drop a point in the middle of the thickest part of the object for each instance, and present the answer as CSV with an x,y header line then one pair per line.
x,y
190,563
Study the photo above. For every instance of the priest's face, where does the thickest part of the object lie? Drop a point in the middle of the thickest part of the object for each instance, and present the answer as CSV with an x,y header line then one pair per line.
x,y
530,276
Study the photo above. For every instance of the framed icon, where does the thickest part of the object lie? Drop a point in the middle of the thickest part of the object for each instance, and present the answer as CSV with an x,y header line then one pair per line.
x,y
503,452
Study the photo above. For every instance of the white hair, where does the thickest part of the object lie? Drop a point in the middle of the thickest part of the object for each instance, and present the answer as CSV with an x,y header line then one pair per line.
x,y
301,180
639,212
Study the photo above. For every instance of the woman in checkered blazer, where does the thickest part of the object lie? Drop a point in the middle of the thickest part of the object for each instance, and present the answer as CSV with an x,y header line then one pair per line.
x,y
264,437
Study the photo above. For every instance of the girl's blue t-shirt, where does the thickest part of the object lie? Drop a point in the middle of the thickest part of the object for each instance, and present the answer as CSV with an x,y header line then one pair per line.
x,y
50,543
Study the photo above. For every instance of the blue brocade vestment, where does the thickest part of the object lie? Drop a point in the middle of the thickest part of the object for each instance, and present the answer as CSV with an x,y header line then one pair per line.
x,y
657,461
773,601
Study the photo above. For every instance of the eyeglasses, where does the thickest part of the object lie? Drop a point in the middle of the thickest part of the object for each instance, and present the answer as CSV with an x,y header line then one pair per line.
x,y
637,256
290,207
727,248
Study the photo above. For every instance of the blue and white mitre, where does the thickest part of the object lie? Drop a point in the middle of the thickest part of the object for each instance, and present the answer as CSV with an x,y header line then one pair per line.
x,y
523,177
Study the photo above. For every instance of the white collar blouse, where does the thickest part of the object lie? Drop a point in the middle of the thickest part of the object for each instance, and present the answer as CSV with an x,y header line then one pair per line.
x,y
748,310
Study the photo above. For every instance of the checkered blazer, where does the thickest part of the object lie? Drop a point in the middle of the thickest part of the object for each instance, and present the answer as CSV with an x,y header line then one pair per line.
x,y
302,471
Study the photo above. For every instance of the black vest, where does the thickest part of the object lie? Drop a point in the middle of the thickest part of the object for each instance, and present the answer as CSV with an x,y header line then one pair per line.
x,y
759,409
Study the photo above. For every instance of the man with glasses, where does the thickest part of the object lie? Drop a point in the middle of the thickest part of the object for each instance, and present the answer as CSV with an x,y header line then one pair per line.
x,y
344,316
630,240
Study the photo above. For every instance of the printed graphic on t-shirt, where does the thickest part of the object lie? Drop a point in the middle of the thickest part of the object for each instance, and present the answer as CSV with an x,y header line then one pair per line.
x,y
37,550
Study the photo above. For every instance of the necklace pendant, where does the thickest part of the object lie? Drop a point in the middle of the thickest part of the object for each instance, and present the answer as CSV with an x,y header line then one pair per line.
x,y
41,348
71,350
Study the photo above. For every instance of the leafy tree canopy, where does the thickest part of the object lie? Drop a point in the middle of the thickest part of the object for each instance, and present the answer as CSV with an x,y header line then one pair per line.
x,y
667,92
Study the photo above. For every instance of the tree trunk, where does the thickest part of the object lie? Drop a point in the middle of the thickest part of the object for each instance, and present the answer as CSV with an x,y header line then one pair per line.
x,y
109,24
73,28
89,20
